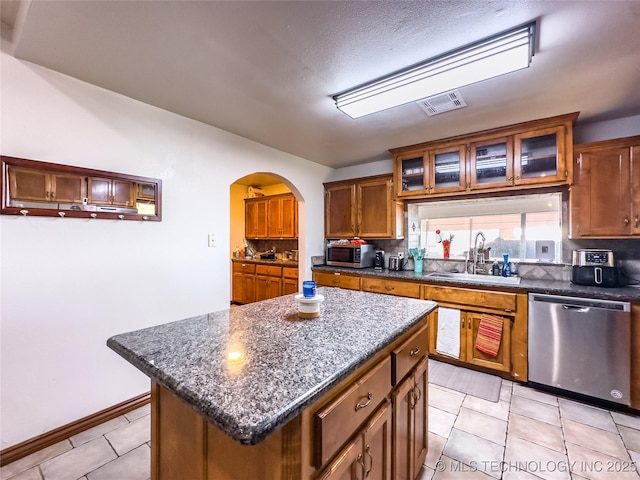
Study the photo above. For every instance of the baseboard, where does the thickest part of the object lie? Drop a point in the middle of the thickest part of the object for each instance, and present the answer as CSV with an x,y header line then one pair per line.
x,y
47,439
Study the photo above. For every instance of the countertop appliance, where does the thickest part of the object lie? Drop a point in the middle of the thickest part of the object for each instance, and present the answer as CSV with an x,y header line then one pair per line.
x,y
581,345
378,260
396,262
594,267
349,255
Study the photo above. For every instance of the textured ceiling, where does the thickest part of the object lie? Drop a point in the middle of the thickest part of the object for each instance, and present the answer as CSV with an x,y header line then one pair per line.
x,y
266,70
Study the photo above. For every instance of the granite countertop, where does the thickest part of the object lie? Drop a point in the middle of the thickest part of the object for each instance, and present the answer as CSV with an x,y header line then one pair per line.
x,y
551,287
279,261
288,362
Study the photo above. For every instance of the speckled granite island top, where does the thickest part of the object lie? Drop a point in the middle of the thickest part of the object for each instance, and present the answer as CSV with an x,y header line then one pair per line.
x,y
287,362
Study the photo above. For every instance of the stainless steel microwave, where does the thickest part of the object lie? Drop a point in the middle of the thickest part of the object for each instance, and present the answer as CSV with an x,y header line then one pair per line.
x,y
347,255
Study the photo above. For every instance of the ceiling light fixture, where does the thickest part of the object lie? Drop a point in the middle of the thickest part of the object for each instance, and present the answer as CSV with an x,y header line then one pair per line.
x,y
503,53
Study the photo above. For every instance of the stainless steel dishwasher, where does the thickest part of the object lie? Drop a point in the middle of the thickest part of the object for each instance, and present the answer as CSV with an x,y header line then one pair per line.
x,y
581,345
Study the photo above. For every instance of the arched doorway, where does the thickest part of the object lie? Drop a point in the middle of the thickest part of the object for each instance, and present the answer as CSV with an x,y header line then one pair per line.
x,y
271,198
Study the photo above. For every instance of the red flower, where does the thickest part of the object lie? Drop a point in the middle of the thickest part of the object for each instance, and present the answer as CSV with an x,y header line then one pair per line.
x,y
437,232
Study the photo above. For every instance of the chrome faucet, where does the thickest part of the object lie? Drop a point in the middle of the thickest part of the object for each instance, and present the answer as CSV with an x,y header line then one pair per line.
x,y
478,257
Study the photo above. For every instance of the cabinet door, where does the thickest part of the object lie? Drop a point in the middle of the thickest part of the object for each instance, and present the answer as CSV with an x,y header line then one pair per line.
x,y
601,196
403,429
491,164
540,157
345,466
288,218
267,287
413,172
274,215
255,218
420,417
122,193
68,188
502,361
376,455
99,191
447,170
374,204
289,285
340,211
634,173
26,184
243,288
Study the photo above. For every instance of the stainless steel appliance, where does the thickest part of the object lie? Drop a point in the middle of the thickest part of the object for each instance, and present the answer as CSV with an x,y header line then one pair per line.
x,y
594,267
396,262
349,255
581,345
378,260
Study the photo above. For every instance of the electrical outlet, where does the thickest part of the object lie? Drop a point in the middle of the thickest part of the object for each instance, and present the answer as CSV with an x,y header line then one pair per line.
x,y
212,240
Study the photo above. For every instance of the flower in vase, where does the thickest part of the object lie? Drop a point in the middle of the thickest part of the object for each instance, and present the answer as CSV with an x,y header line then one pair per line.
x,y
448,239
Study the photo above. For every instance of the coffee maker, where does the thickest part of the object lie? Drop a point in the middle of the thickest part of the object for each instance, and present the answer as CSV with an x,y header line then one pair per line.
x,y
378,260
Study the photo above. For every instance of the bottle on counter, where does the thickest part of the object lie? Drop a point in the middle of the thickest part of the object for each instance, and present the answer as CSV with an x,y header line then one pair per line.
x,y
236,252
495,268
506,271
514,269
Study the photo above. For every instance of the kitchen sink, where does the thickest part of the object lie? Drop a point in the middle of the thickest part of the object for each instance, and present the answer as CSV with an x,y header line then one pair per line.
x,y
470,278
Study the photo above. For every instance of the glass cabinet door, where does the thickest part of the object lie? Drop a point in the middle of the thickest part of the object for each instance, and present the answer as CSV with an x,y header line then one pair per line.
x,y
492,163
413,175
447,172
539,156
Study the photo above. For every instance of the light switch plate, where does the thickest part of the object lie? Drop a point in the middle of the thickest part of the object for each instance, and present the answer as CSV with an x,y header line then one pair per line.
x,y
212,240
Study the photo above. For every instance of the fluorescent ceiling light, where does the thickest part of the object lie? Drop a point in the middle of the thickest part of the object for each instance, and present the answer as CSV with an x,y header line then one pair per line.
x,y
494,56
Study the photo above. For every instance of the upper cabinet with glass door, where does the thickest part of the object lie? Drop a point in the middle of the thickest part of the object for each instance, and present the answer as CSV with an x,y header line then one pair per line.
x,y
525,155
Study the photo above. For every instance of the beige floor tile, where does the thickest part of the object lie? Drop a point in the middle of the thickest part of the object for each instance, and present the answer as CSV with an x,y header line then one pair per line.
x,y
540,461
598,466
495,409
79,461
445,399
135,465
138,412
517,474
534,409
635,458
579,412
537,395
506,391
476,452
425,474
436,445
595,439
130,436
540,433
98,431
440,422
34,459
631,438
450,469
31,474
632,421
482,425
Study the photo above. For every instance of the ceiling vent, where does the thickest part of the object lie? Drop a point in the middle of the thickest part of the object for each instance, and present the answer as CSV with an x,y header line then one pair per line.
x,y
442,102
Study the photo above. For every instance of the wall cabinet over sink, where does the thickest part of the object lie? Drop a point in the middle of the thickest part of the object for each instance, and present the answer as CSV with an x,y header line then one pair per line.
x,y
605,195
525,155
363,207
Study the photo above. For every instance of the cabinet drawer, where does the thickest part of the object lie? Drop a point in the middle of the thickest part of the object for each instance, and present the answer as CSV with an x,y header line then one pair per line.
x,y
289,272
505,302
244,267
338,280
407,355
391,287
269,270
338,420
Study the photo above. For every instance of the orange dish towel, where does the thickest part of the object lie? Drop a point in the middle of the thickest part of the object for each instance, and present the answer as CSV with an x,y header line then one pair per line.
x,y
489,334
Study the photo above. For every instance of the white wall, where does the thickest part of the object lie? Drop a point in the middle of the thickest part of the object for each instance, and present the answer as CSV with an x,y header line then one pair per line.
x,y
66,285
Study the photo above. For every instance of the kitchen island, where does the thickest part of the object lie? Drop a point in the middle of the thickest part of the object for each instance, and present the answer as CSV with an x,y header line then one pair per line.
x,y
257,392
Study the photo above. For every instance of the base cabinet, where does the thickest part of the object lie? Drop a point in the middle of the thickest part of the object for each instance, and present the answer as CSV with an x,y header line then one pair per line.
x,y
410,413
244,282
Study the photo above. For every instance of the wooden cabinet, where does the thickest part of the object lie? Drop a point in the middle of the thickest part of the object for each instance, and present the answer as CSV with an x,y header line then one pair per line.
x,y
364,208
410,412
524,155
391,287
271,217
282,216
111,191
605,195
336,279
244,282
42,186
289,280
472,304
268,282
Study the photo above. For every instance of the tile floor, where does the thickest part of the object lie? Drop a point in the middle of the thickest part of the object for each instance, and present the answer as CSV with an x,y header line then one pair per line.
x,y
527,435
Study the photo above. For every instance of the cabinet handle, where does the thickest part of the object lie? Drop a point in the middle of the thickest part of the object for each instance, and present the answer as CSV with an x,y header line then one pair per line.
x,y
469,324
419,395
415,351
388,288
360,461
336,281
53,195
412,398
517,177
510,178
368,452
626,221
637,221
362,405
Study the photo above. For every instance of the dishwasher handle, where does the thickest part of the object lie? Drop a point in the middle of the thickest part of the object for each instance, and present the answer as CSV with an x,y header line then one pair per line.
x,y
575,308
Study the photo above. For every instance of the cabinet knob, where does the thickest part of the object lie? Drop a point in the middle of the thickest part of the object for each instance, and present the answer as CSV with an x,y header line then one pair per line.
x,y
637,221
24,212
626,221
